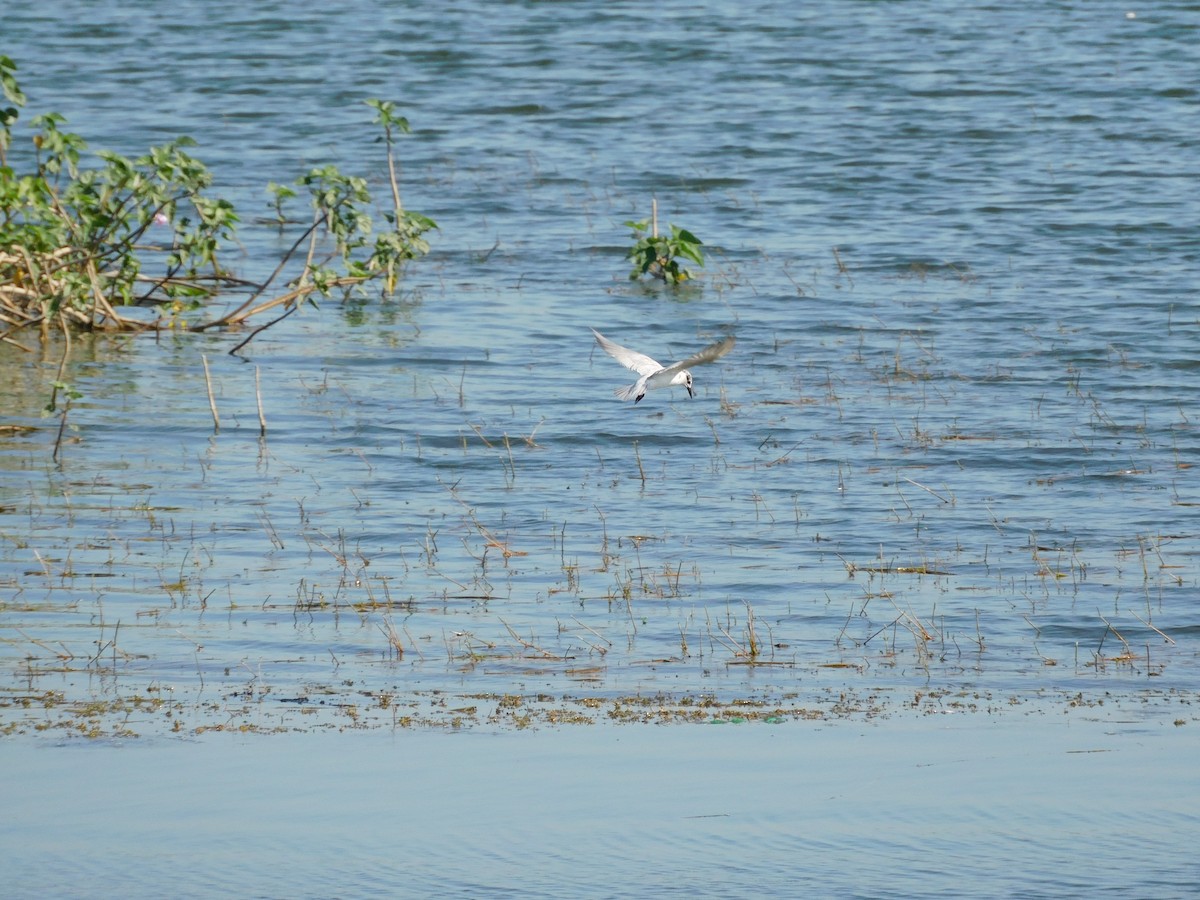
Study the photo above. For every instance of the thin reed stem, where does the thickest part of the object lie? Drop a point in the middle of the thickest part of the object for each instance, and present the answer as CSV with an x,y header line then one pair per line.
x,y
262,422
212,403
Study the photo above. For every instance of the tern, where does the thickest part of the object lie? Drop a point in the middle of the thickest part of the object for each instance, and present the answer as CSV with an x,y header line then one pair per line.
x,y
654,374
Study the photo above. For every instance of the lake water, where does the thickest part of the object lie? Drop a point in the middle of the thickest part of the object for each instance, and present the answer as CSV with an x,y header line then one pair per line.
x,y
946,475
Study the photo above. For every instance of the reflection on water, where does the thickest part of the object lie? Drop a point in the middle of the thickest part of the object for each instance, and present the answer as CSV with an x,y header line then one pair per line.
x,y
948,467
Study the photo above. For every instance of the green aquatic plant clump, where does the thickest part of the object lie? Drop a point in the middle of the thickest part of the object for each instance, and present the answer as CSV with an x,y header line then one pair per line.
x,y
76,243
658,255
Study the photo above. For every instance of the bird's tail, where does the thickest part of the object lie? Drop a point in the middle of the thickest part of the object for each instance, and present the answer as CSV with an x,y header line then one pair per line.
x,y
626,393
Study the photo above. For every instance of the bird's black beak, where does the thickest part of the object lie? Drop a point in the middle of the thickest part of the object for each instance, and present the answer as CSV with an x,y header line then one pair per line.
x,y
691,393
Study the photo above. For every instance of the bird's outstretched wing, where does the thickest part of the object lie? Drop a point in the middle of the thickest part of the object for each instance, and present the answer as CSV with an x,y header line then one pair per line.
x,y
630,359
711,353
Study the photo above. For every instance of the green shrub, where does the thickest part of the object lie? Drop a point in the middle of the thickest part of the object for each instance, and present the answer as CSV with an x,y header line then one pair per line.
x,y
77,244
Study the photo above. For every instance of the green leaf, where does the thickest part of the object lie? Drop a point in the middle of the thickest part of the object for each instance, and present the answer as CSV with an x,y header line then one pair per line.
x,y
691,252
682,234
387,116
8,81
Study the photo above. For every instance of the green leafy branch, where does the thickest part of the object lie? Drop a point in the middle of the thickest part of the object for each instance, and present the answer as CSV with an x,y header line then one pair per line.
x,y
341,251
75,242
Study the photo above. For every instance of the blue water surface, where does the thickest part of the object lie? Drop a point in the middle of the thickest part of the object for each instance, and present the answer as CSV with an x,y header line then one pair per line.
x,y
947,470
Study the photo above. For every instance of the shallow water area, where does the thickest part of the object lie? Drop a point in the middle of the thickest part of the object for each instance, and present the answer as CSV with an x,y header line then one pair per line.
x,y
927,533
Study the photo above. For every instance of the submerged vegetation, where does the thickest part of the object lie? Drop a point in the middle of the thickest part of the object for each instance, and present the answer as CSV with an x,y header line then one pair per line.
x,y
81,246
156,711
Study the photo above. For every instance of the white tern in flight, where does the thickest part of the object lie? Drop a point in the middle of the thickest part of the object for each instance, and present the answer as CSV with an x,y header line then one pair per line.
x,y
655,375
